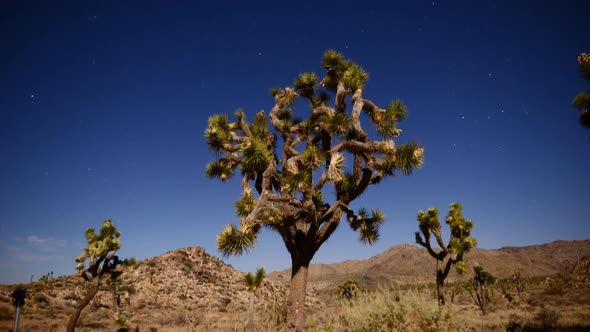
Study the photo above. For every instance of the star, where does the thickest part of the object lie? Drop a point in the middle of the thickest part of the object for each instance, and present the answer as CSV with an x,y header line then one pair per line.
x,y
32,96
259,53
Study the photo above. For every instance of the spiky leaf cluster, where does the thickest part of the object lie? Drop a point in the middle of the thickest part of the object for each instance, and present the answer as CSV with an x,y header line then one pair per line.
x,y
368,226
429,222
483,277
234,241
341,70
254,281
98,258
245,205
219,133
287,163
306,84
349,289
582,100
255,156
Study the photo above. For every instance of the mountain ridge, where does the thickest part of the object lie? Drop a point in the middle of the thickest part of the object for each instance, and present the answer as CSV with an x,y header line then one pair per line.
x,y
407,263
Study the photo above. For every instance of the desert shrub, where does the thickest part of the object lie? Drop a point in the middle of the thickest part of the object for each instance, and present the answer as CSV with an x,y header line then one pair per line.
x,y
127,288
274,316
173,319
395,310
6,312
39,286
41,298
318,325
141,304
71,296
121,321
555,286
547,317
515,326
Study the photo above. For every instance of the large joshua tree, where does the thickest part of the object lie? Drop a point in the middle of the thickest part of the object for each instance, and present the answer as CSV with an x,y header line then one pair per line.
x,y
103,264
449,254
292,163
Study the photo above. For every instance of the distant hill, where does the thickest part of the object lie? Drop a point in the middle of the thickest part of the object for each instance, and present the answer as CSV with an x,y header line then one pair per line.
x,y
411,264
183,287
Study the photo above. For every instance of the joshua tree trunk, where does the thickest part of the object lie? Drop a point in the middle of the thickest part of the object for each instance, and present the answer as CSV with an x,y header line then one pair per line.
x,y
483,300
440,283
89,296
115,299
296,300
251,319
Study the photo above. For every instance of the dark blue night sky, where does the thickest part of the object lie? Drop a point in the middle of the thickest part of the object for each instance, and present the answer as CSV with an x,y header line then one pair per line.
x,y
103,105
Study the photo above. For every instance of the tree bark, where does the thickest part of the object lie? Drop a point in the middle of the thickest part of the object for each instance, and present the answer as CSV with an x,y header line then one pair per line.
x,y
76,314
440,283
483,302
296,299
251,318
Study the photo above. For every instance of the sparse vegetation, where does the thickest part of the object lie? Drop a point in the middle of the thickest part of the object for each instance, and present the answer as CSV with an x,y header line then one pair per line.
x,y
220,302
288,189
395,310
547,317
6,312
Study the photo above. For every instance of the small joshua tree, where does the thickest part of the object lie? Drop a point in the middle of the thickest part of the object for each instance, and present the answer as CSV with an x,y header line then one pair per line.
x,y
518,281
253,282
479,287
349,289
102,262
582,100
451,253
114,283
287,165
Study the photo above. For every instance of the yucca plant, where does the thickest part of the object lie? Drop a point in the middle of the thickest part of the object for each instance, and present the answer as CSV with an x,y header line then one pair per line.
x,y
253,282
287,164
451,253
480,287
102,264
349,289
